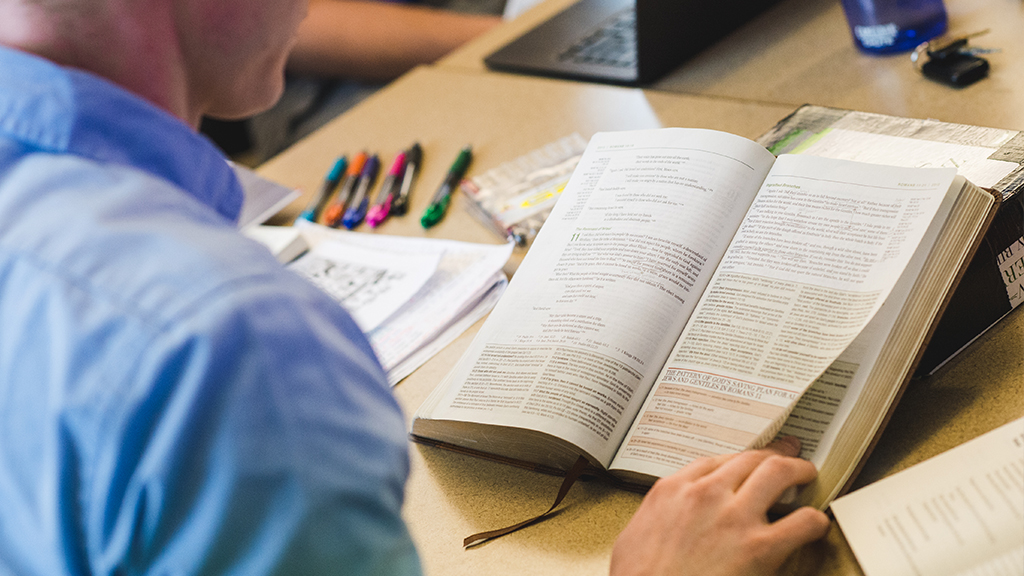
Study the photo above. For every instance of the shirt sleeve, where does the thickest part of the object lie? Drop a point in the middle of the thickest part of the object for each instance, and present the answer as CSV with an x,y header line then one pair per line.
x,y
266,442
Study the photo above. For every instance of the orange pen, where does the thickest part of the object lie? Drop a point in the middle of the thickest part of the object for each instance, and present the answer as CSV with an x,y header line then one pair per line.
x,y
334,212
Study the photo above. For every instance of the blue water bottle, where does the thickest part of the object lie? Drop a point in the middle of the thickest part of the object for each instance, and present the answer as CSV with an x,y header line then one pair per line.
x,y
886,26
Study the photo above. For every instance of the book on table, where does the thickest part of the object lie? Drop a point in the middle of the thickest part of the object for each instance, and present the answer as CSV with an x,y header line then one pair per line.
x,y
692,295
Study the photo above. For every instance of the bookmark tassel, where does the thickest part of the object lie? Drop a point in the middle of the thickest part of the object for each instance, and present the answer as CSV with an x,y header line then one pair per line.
x,y
570,478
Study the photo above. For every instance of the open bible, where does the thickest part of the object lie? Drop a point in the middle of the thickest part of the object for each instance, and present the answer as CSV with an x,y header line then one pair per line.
x,y
692,295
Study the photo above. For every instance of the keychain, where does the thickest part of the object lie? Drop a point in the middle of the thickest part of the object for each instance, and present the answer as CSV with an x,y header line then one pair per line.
x,y
950,61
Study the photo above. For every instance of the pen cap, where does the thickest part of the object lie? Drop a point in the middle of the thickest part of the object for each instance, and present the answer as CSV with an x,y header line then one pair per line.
x,y
462,161
371,166
414,155
397,165
338,169
392,180
357,164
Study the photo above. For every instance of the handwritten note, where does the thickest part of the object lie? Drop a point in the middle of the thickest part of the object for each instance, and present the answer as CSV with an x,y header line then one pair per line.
x,y
370,284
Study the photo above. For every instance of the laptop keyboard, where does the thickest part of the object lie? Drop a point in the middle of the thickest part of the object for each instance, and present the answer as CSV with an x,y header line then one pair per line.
x,y
613,44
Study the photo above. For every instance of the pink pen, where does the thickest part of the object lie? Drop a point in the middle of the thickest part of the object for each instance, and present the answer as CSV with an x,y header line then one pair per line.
x,y
382,207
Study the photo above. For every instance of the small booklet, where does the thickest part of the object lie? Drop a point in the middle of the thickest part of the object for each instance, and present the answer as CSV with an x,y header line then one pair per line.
x,y
960,513
690,295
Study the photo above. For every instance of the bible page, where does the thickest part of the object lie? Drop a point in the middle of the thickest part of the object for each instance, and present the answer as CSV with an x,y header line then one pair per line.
x,y
839,415
590,316
822,247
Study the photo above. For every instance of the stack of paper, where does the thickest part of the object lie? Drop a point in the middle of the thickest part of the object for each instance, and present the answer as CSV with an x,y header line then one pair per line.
x,y
412,296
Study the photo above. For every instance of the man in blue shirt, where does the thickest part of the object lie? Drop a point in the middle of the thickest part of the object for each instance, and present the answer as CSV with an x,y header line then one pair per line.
x,y
171,400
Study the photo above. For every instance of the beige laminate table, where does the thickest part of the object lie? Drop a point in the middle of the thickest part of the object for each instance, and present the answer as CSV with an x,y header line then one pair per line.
x,y
801,51
451,496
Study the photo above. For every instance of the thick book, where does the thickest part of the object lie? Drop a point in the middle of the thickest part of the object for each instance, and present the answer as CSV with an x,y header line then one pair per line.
x,y
691,295
992,158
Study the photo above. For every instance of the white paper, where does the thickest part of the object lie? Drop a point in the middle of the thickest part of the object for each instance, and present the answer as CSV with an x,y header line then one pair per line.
x,y
475,312
1011,266
960,513
371,284
819,252
612,277
466,281
971,162
465,274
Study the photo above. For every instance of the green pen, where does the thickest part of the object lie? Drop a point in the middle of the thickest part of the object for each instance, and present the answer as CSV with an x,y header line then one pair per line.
x,y
438,206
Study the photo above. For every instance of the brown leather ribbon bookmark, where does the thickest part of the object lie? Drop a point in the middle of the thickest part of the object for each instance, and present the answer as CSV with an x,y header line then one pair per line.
x,y
570,478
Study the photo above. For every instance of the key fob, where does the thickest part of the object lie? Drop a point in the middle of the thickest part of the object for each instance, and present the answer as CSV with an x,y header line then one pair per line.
x,y
956,69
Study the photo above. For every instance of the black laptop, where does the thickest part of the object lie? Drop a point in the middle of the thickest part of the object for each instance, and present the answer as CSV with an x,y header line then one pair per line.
x,y
630,42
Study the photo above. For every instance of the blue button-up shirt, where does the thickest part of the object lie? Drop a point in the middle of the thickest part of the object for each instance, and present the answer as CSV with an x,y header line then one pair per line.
x,y
171,400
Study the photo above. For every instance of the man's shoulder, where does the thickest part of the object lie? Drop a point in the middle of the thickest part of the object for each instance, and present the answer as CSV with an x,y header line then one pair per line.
x,y
119,231
115,246
158,315
122,244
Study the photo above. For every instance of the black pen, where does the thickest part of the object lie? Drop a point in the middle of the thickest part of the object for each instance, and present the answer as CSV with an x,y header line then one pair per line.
x,y
413,157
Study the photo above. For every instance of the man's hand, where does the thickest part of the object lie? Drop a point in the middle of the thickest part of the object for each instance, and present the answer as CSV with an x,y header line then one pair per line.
x,y
710,518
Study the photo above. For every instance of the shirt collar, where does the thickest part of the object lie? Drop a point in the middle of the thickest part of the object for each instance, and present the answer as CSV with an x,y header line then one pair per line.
x,y
64,110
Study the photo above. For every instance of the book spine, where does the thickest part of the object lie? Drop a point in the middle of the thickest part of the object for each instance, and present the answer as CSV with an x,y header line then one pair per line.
x,y
989,290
